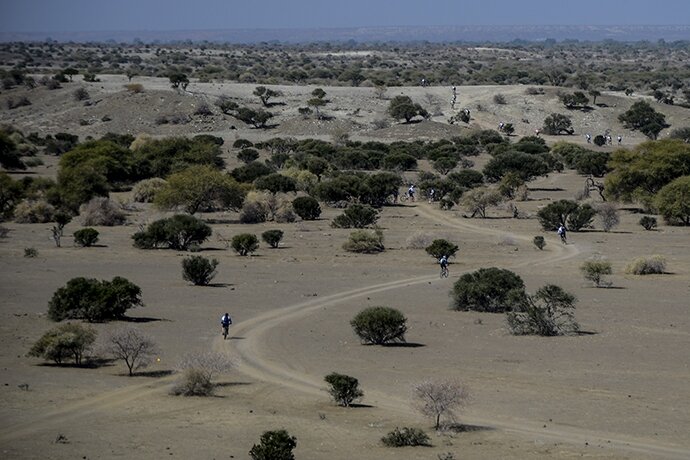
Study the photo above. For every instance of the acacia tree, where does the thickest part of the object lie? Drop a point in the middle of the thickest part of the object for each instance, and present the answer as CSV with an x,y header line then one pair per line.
x,y
131,346
178,80
264,94
436,398
557,123
403,107
200,188
673,201
477,200
642,117
317,101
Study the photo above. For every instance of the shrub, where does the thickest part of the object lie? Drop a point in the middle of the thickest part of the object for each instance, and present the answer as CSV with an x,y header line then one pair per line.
x,y
30,253
285,214
581,217
247,155
434,398
556,213
86,237
647,266
419,240
253,212
145,190
441,247
673,203
594,270
34,212
177,232
479,199
380,325
274,445
244,243
80,94
199,270
366,242
608,213
62,342
406,437
275,183
101,211
131,346
539,242
641,116
272,237
343,388
93,300
648,222
499,99
306,207
487,290
198,371
547,313
134,88
356,216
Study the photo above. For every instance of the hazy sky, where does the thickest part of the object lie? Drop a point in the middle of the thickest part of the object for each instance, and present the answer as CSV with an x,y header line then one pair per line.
x,y
155,15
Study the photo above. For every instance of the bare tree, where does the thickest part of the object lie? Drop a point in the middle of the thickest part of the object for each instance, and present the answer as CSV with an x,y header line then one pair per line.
x,y
132,346
608,213
434,398
198,372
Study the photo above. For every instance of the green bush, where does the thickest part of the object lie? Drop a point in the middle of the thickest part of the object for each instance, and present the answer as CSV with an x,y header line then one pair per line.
x,y
539,242
253,212
276,183
487,290
274,445
406,437
366,242
380,325
272,237
244,243
93,300
199,270
343,388
556,213
86,237
30,252
673,203
306,207
177,232
547,313
62,342
641,116
581,217
356,216
441,247
594,270
648,222
654,265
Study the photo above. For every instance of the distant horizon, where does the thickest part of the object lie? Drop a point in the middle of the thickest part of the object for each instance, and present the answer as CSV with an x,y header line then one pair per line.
x,y
368,34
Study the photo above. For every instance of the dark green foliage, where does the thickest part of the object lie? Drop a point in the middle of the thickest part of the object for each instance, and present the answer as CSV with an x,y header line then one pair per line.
x,y
549,312
242,144
253,212
581,217
402,107
556,213
275,183
199,270
257,118
487,290
539,242
441,247
445,164
274,445
265,94
272,237
244,243
673,201
642,117
467,178
11,193
599,140
247,155
681,133
648,222
250,172
93,300
209,139
63,342
9,156
525,165
356,216
86,237
306,207
178,79
557,123
343,388
123,140
592,163
177,232
399,161
380,325
161,157
406,437
575,100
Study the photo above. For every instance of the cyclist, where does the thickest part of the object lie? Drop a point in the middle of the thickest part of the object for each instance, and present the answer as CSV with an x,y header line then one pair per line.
x,y
562,233
443,262
410,192
225,322
432,194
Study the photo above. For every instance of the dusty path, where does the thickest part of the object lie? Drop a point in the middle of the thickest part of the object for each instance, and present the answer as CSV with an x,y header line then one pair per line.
x,y
255,361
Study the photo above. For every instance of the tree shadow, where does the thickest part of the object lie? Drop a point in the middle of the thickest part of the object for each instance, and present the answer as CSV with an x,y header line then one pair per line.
x,y
361,406
546,189
274,104
141,319
219,285
634,210
222,221
212,249
154,374
464,428
403,345
232,384
585,333
236,338
88,363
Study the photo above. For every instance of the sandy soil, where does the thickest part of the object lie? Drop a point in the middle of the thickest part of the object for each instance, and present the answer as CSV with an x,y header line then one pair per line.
x,y
619,391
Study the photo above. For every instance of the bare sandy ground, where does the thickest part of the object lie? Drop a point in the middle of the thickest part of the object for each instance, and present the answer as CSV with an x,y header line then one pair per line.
x,y
619,391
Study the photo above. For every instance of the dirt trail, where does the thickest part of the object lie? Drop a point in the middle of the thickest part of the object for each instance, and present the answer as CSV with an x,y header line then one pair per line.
x,y
258,365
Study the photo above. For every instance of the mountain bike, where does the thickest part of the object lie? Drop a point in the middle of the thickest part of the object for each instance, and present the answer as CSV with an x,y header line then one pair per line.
x,y
444,272
225,331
